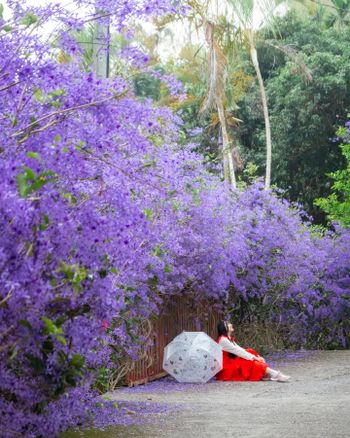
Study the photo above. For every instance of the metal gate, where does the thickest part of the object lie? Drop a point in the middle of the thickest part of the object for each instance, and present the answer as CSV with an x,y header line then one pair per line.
x,y
178,315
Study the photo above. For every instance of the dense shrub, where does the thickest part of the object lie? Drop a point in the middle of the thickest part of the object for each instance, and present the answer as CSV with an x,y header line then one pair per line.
x,y
102,215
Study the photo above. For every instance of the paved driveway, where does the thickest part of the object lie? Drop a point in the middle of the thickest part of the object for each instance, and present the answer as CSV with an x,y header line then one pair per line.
x,y
314,404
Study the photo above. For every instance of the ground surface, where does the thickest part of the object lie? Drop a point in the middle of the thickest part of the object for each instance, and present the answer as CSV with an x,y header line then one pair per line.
x,y
314,404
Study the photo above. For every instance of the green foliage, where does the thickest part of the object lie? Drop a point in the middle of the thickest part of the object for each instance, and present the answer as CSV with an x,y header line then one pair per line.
x,y
53,98
102,380
28,182
74,274
157,251
303,114
248,176
192,69
71,371
149,214
29,19
34,155
52,329
146,86
71,365
337,204
44,223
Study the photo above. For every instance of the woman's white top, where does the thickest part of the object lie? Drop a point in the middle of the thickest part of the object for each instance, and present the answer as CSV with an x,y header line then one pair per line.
x,y
233,347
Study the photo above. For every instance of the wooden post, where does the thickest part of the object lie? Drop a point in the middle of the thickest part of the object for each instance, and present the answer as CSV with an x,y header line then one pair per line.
x,y
101,48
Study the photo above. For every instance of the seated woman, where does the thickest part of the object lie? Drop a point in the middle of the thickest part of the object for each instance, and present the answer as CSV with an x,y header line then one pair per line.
x,y
242,364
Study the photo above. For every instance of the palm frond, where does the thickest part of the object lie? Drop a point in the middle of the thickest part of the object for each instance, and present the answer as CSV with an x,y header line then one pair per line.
x,y
244,11
217,63
295,56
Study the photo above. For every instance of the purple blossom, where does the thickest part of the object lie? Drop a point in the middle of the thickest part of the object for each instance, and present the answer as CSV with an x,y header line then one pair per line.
x,y
99,224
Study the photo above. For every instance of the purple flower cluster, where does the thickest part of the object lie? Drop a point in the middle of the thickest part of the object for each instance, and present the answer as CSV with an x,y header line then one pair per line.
x,y
102,215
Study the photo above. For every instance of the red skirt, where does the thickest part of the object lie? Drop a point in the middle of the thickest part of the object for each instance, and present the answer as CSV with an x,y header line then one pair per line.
x,y
241,369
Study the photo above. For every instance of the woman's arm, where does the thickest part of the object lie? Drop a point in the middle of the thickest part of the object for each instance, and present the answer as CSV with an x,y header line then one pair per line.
x,y
234,348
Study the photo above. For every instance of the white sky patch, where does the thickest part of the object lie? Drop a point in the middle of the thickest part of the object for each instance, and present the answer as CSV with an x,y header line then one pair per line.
x,y
175,35
178,34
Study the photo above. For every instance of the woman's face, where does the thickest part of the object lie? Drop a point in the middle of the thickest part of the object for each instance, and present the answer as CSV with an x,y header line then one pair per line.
x,y
229,327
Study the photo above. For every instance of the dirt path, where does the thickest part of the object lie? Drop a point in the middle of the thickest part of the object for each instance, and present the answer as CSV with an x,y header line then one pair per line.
x,y
314,404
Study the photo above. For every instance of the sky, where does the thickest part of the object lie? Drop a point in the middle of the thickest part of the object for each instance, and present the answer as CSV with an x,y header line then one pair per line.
x,y
172,41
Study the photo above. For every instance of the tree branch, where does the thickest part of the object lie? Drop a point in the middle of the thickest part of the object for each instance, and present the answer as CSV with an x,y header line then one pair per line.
x,y
8,296
9,86
62,112
7,331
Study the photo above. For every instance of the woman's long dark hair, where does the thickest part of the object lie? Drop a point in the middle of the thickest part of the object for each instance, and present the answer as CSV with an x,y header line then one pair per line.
x,y
222,330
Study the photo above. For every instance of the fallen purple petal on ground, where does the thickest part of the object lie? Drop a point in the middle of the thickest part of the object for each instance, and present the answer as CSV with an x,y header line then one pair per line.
x,y
167,384
283,358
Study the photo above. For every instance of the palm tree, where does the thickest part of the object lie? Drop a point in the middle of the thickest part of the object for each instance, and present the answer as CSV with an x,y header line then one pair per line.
x,y
216,96
341,12
216,91
330,13
336,13
243,11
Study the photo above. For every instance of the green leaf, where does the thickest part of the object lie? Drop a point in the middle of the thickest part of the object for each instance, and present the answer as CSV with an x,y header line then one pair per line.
x,y
25,323
13,353
61,339
57,138
48,346
157,251
45,223
103,273
59,321
42,179
75,274
153,282
1,10
58,92
50,326
29,173
29,19
176,205
35,183
77,361
71,379
39,95
36,363
72,200
23,188
34,155
62,356
151,163
149,214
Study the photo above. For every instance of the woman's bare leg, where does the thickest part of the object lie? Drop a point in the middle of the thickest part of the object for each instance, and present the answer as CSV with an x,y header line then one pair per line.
x,y
271,373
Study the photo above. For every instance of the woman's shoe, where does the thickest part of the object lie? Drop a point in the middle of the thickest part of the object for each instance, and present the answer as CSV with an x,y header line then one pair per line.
x,y
280,377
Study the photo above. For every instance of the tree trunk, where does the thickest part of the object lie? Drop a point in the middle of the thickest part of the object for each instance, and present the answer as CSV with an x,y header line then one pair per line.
x,y
255,61
101,49
226,147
